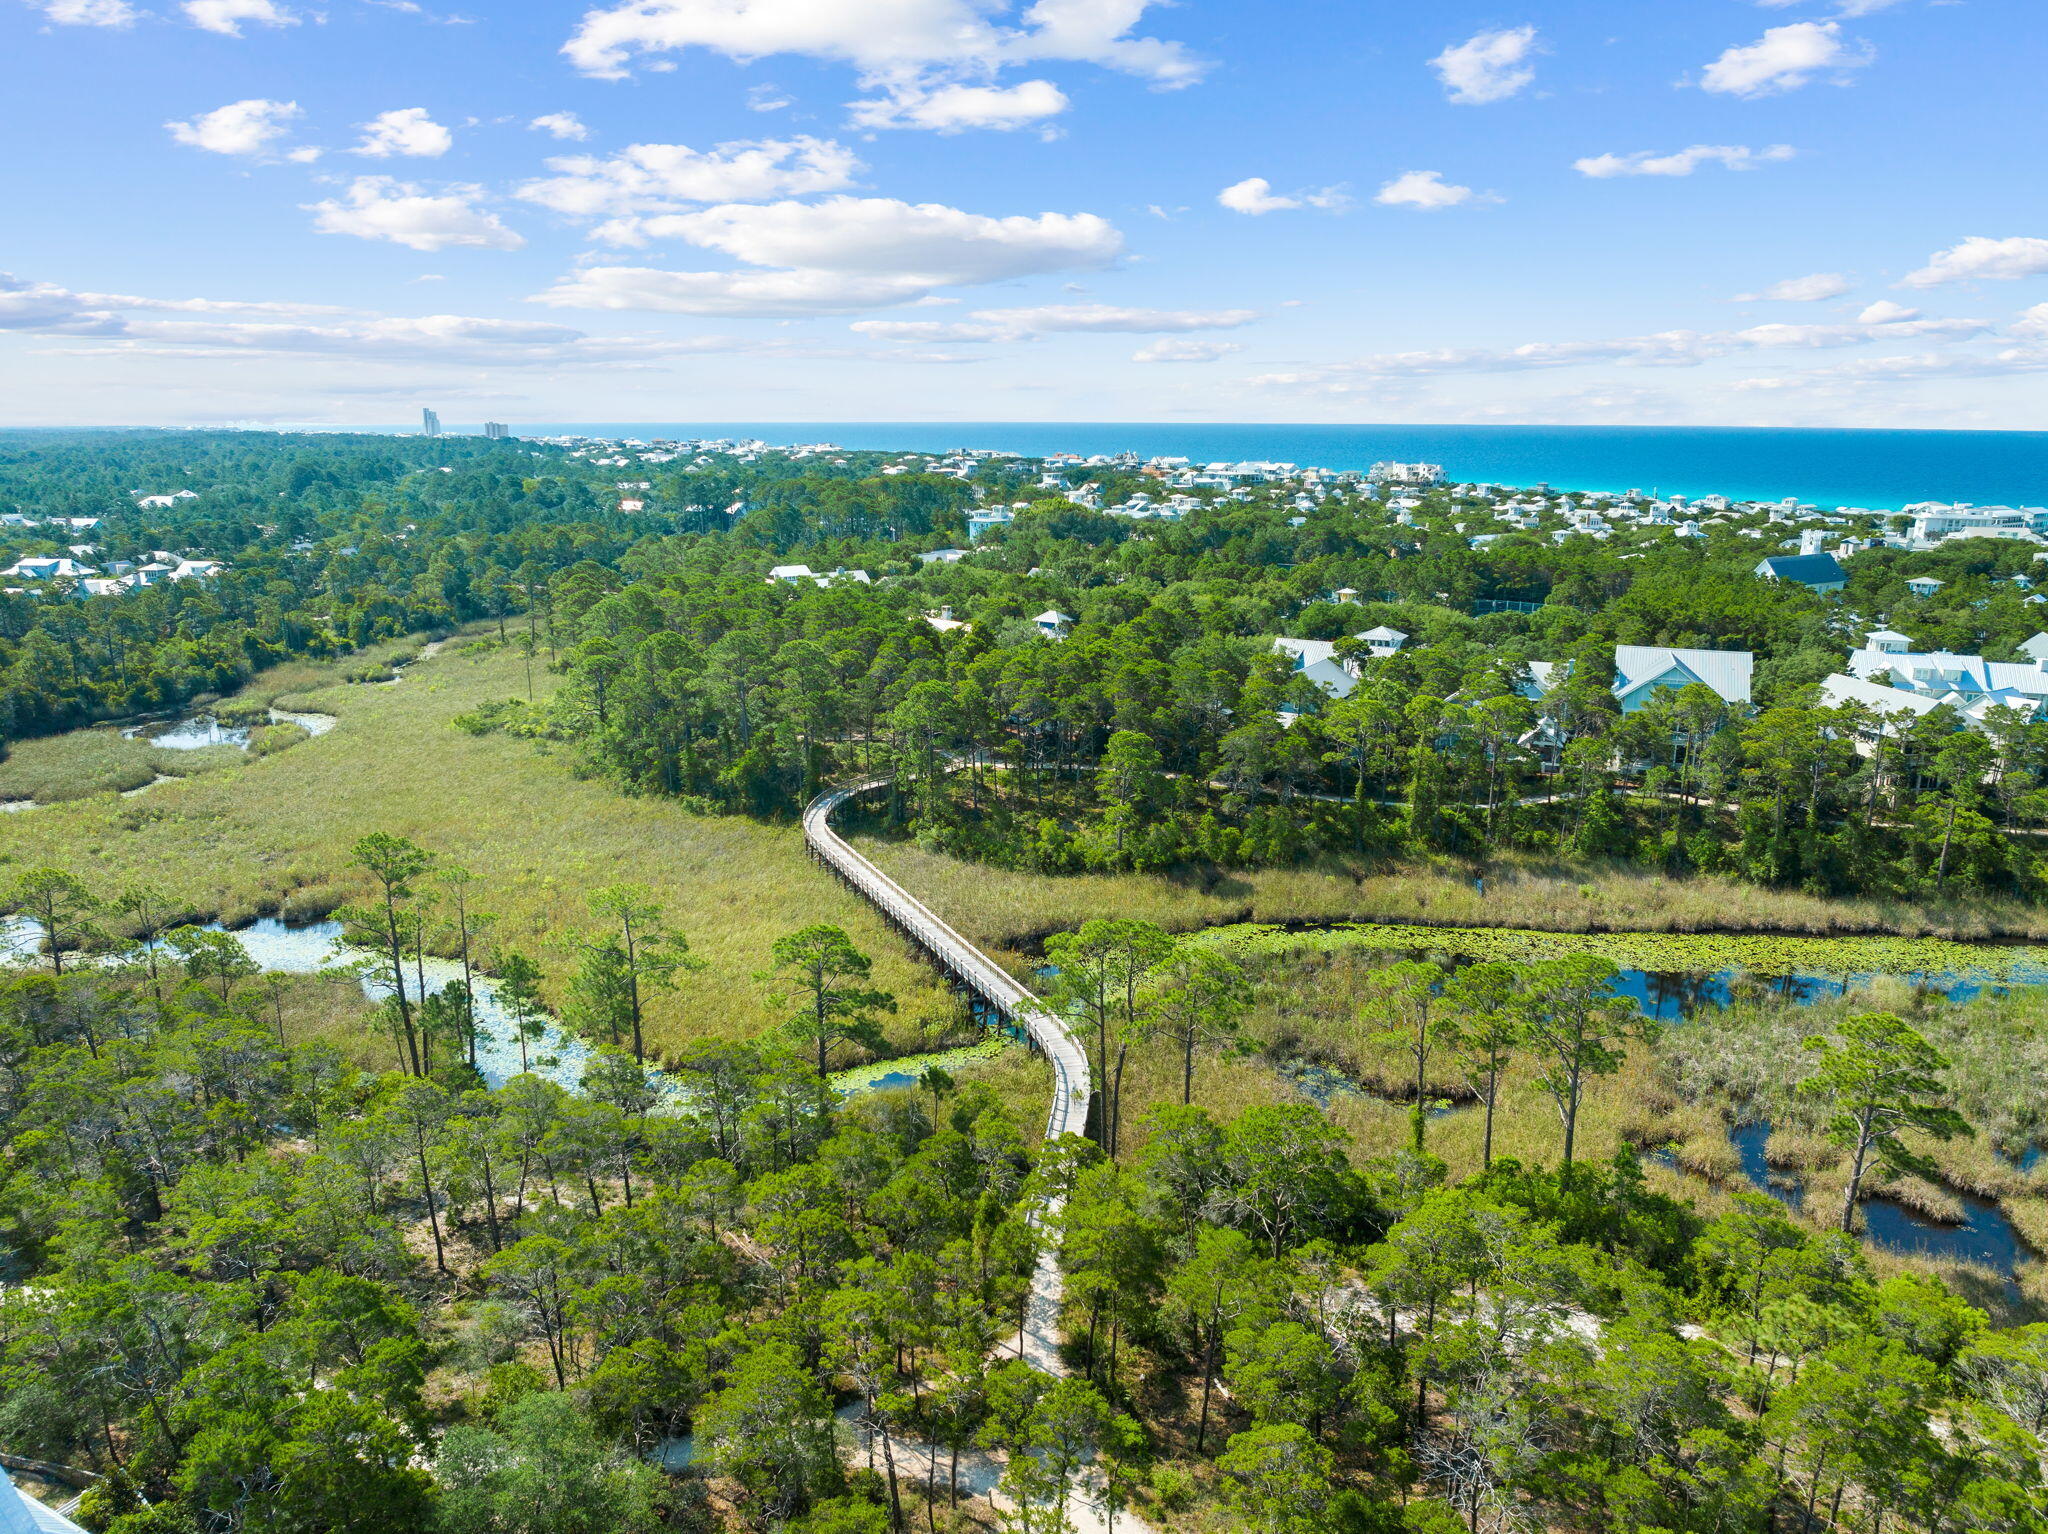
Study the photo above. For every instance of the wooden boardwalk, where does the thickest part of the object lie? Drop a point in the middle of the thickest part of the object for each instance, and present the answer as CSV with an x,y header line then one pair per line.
x,y
967,964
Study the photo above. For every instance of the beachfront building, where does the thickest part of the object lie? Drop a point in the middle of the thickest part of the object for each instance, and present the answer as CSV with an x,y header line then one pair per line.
x,y
1406,474
1935,522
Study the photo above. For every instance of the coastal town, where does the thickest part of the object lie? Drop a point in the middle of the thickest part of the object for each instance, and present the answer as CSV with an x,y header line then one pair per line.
x,y
1799,544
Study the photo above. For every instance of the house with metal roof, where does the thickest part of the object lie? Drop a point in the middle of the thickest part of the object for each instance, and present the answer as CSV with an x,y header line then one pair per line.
x,y
1816,572
1642,671
1316,659
1970,684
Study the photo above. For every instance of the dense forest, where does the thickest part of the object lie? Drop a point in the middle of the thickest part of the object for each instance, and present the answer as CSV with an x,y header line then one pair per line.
x,y
252,1287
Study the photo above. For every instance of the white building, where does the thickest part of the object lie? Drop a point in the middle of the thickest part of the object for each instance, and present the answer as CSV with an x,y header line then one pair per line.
x,y
1934,522
1642,671
1969,684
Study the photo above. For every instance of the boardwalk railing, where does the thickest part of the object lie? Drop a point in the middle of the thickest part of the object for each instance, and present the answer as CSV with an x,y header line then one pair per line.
x,y
958,957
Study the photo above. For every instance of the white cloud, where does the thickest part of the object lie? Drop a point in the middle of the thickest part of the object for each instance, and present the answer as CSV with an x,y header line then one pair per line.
x,y
653,177
1911,368
766,98
884,235
1784,59
1683,162
241,127
956,108
1185,351
1981,258
1489,67
889,41
1813,289
562,125
1023,324
101,325
1425,189
404,131
1255,195
925,331
755,295
90,13
2033,322
1885,312
837,256
1670,348
379,208
227,16
1107,318
45,307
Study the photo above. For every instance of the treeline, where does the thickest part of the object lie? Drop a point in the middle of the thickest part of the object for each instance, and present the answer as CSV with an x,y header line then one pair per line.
x,y
1162,730
331,544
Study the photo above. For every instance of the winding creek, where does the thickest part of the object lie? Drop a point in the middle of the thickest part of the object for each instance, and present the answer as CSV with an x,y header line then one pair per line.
x,y
309,948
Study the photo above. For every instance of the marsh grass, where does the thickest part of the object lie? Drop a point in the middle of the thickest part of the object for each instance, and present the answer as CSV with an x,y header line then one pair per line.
x,y
77,765
1679,1096
272,838
330,1009
1014,909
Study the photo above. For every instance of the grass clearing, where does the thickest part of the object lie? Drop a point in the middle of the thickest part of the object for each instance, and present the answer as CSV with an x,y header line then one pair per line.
x,y
81,763
1009,909
271,836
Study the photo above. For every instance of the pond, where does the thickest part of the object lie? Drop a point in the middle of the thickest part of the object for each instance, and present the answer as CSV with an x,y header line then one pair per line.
x,y
198,732
1986,1235
193,734
1672,976
1831,968
309,948
1672,996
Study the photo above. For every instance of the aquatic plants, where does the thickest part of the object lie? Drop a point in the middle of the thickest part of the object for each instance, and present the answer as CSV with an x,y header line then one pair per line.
x,y
1659,952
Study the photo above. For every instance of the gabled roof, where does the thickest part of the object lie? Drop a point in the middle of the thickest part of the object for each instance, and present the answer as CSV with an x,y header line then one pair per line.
x,y
1727,672
1383,635
1807,569
1839,689
24,1515
1306,652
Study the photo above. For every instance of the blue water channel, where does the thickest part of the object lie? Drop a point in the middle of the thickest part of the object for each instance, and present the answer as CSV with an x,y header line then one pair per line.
x,y
1674,996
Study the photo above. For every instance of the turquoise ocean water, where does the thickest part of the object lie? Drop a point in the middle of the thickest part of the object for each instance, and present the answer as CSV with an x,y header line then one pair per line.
x,y
1877,469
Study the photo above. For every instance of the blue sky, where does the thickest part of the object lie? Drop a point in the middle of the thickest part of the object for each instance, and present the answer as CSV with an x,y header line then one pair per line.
x,y
1574,211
